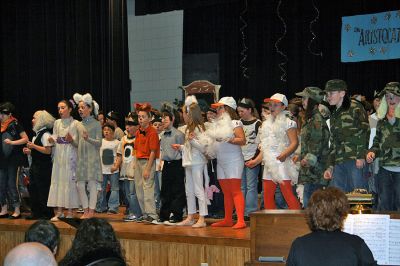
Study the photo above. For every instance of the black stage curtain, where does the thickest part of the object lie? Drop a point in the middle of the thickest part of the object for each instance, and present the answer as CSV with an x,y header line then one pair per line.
x,y
145,7
216,29
52,49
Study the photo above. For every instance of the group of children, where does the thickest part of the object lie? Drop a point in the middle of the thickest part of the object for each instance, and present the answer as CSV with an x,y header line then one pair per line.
x,y
162,167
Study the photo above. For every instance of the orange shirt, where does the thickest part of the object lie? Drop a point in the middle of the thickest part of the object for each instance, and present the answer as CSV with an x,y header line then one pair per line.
x,y
146,141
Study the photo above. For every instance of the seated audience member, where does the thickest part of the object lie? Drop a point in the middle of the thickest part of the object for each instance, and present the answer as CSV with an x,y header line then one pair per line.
x,y
327,244
30,254
95,243
45,233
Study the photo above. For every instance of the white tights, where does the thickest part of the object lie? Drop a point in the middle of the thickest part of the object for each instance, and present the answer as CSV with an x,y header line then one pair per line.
x,y
92,187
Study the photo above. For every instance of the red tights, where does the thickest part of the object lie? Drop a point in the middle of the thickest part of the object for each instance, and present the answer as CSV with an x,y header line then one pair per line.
x,y
287,191
233,197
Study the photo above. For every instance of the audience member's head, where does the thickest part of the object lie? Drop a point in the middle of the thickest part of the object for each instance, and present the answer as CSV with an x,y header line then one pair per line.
x,y
45,233
327,209
95,240
30,254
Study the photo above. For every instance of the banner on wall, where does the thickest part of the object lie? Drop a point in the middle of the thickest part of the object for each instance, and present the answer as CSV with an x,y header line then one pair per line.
x,y
371,37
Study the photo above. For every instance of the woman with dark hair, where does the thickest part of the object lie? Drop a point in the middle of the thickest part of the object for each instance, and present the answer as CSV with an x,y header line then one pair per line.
x,y
251,123
327,244
44,232
95,241
63,192
314,138
12,136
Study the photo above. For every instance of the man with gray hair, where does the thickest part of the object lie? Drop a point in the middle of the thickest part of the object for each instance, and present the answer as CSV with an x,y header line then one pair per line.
x,y
30,254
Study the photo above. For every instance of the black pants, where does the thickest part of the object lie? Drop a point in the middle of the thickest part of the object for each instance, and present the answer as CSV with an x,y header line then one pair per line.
x,y
39,186
173,196
217,204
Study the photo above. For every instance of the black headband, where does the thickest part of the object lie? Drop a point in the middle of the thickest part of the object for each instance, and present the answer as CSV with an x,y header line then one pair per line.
x,y
131,123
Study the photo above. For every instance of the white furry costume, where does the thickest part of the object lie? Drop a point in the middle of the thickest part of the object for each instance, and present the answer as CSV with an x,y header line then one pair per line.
x,y
229,156
274,140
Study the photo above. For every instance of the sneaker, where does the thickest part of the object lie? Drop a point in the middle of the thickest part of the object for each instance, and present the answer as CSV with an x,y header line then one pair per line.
x,y
171,222
112,212
139,219
149,219
157,221
130,218
80,210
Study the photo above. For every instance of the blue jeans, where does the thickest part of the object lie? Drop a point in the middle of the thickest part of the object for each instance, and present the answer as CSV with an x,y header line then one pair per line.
x,y
348,177
130,194
157,189
388,184
279,199
309,189
113,201
8,186
249,188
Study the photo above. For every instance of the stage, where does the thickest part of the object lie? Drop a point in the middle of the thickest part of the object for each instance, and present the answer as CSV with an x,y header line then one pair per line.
x,y
152,245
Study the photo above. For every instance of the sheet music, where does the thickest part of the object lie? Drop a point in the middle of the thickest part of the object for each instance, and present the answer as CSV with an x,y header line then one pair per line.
x,y
374,230
348,224
394,242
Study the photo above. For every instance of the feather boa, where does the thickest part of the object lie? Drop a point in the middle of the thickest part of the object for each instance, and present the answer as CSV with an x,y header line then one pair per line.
x,y
220,130
273,135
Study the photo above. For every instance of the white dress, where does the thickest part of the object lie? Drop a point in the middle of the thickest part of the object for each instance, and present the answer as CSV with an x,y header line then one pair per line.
x,y
63,190
229,156
274,140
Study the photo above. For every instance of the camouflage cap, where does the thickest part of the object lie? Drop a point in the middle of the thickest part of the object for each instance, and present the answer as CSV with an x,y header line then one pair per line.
x,y
335,85
314,93
392,87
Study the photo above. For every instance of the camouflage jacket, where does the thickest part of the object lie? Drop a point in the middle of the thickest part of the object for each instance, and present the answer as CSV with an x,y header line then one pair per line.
x,y
387,143
314,149
349,132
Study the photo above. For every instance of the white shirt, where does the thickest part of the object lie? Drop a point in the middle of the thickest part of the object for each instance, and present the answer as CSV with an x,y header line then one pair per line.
x,y
228,152
108,153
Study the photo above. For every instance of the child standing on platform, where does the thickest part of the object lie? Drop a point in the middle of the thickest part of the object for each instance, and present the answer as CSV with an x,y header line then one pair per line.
x,y
249,117
173,174
147,147
278,136
126,159
230,160
158,126
110,168
63,192
194,161
40,150
89,162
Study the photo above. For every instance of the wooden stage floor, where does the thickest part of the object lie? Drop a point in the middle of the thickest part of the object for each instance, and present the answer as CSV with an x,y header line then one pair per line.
x,y
152,245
